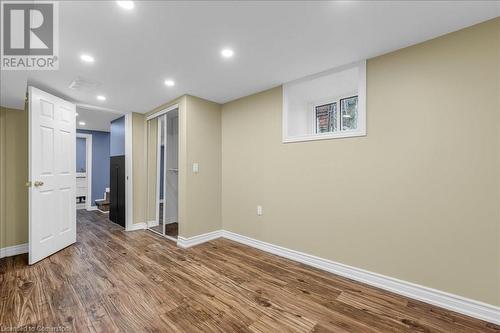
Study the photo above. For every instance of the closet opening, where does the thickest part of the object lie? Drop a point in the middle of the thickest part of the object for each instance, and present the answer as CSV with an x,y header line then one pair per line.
x,y
163,173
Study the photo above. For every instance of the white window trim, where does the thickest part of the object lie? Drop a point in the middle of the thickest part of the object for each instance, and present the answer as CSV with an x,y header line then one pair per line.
x,y
361,93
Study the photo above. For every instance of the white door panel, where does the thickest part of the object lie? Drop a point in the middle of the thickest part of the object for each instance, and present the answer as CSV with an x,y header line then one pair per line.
x,y
52,206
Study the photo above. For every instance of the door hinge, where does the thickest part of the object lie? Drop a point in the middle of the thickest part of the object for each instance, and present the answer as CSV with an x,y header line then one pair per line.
x,y
28,184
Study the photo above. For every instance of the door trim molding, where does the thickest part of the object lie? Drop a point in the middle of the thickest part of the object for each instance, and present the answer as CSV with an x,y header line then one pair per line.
x,y
449,301
129,172
162,112
14,250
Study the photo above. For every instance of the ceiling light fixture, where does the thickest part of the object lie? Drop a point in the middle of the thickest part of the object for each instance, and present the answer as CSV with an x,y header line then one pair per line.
x,y
87,58
76,114
227,53
128,5
101,97
169,83
81,123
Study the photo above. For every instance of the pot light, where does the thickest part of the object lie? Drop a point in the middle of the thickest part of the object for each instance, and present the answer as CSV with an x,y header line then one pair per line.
x,y
82,123
128,5
87,58
227,53
101,97
169,83
76,114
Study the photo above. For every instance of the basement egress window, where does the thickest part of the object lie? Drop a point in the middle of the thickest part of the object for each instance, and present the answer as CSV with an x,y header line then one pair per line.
x,y
327,105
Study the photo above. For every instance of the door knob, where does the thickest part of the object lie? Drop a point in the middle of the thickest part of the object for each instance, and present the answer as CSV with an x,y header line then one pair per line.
x,y
38,183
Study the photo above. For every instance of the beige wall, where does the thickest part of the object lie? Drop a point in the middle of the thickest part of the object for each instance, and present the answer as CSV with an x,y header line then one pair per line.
x,y
204,189
416,199
199,141
13,176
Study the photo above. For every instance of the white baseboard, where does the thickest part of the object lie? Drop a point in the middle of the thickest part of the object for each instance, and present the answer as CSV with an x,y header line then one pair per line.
x,y
432,296
153,223
137,226
91,208
192,241
10,251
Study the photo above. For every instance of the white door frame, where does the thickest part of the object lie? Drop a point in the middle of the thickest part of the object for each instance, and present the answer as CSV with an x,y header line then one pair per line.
x,y
129,180
161,119
88,167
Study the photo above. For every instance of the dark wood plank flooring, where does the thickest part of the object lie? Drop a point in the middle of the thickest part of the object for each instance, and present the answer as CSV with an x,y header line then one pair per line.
x,y
112,281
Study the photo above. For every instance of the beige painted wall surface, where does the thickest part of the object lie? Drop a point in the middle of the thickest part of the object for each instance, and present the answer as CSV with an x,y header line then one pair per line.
x,y
13,176
204,189
416,199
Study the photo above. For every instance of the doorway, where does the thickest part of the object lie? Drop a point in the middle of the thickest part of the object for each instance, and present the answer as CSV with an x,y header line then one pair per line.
x,y
83,171
163,171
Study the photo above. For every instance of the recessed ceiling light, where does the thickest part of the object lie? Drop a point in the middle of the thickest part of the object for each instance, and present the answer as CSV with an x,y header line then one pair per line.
x,y
76,114
169,83
128,5
227,53
87,58
81,123
101,97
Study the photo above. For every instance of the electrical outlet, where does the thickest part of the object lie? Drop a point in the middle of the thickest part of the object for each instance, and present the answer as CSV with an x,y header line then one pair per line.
x,y
259,210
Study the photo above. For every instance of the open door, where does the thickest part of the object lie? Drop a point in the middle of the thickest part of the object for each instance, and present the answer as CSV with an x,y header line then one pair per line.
x,y
52,159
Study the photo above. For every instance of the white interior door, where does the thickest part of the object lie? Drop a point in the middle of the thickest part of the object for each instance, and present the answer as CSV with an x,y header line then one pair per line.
x,y
52,163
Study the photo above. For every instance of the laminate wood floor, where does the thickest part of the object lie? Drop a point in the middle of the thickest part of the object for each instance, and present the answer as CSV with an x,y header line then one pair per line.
x,y
112,281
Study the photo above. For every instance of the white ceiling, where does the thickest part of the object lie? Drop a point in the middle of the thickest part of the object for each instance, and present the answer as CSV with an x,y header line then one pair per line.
x,y
95,120
274,42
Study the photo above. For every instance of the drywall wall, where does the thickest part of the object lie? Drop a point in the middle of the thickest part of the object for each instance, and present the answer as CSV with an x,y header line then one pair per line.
x,y
100,162
416,199
13,177
199,142
203,146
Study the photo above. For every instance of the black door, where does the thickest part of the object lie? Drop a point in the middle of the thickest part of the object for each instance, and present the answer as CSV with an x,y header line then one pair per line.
x,y
117,190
